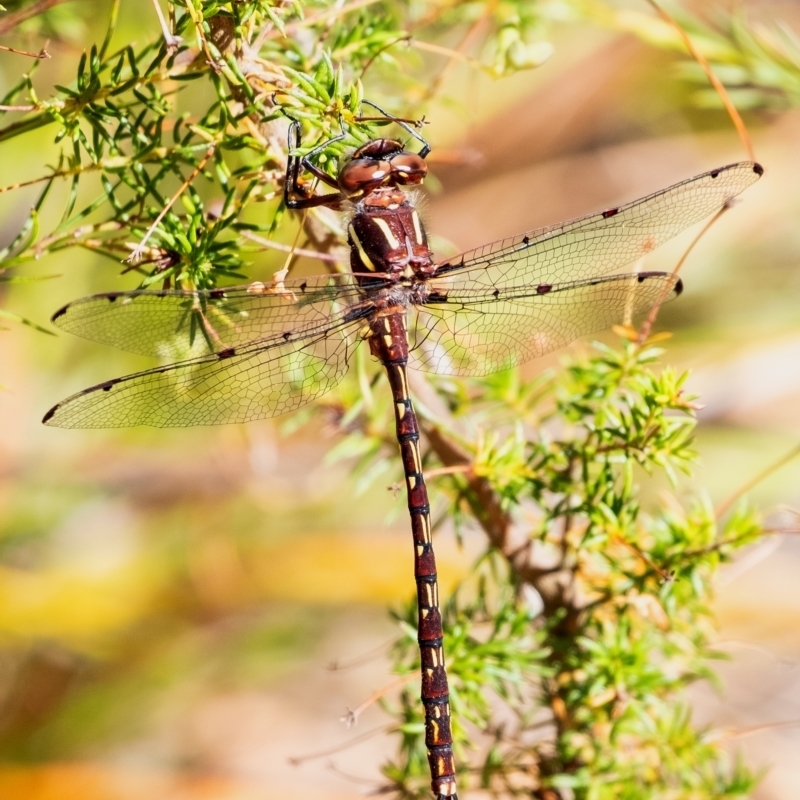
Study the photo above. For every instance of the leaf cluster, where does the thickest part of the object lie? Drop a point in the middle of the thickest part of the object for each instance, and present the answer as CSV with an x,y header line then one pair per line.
x,y
758,61
570,644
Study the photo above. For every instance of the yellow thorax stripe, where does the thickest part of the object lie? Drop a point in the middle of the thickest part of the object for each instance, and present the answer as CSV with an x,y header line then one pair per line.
x,y
365,259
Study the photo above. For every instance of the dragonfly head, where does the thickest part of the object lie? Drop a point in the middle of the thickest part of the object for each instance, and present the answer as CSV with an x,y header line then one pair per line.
x,y
381,162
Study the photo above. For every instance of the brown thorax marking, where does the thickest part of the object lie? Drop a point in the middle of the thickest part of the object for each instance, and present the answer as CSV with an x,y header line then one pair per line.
x,y
389,239
387,197
389,311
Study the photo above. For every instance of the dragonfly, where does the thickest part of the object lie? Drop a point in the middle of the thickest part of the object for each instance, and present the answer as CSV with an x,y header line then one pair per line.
x,y
250,352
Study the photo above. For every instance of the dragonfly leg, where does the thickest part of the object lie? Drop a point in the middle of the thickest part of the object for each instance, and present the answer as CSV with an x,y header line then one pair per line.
x,y
295,195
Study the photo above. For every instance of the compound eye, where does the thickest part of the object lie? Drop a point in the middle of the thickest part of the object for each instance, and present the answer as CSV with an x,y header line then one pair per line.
x,y
359,174
408,167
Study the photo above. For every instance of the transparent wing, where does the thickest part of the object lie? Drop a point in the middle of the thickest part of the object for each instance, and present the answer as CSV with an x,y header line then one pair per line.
x,y
260,380
600,243
177,324
475,332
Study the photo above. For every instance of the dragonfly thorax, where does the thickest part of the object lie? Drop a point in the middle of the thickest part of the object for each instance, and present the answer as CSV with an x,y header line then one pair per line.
x,y
389,239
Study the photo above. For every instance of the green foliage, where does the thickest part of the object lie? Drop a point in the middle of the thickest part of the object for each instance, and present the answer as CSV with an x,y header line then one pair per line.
x,y
121,119
759,62
588,614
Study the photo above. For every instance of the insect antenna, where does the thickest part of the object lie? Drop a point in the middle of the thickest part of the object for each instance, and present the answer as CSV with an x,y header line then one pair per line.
x,y
407,125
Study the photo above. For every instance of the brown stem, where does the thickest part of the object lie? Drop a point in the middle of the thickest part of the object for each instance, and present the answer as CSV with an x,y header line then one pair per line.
x,y
554,584
286,248
136,254
10,21
40,54
665,575
647,325
733,113
493,519
725,505
351,717
295,760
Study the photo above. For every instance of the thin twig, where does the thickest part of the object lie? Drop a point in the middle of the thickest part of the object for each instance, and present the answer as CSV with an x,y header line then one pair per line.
x,y
365,658
287,248
10,21
714,80
647,325
465,42
297,760
136,254
746,487
41,54
487,505
170,39
382,50
94,166
292,251
456,469
665,575
749,730
352,778
313,19
351,717
442,51
16,108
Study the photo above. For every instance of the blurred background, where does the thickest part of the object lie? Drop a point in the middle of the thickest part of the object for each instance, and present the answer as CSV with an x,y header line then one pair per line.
x,y
188,614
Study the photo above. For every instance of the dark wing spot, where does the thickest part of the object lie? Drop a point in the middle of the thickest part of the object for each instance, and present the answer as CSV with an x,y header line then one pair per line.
x,y
303,286
643,276
111,297
226,353
217,294
106,387
287,335
359,312
714,174
49,415
59,313
525,239
496,293
610,213
543,288
437,297
758,169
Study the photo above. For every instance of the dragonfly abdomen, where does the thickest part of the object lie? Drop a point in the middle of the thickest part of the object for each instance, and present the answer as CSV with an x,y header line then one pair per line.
x,y
389,344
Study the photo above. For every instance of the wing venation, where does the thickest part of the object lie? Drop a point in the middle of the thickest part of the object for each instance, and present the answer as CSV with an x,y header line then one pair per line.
x,y
598,244
263,379
175,324
477,333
